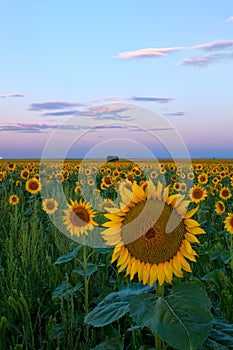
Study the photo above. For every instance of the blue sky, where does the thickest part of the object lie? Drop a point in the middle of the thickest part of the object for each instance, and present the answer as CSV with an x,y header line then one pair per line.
x,y
63,58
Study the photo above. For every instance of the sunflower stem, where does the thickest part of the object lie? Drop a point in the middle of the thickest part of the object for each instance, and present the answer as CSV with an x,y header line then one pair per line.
x,y
158,341
86,301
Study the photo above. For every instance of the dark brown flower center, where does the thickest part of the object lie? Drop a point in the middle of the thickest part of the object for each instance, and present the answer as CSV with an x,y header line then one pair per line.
x,y
154,234
79,217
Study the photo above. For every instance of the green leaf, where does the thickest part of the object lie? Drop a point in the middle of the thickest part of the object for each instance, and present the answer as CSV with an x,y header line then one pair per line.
x,y
226,256
102,315
65,289
111,344
182,319
221,336
88,271
68,256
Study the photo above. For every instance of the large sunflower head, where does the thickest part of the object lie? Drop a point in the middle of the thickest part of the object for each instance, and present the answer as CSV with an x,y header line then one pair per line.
x,y
79,218
33,185
152,233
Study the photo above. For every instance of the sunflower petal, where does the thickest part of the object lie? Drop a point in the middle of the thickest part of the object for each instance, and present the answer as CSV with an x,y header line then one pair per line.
x,y
153,274
161,274
146,273
191,212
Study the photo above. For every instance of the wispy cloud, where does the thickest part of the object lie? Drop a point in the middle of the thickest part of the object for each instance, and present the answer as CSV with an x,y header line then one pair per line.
x,y
59,114
109,112
196,61
30,127
230,19
152,99
53,105
148,53
151,129
175,114
215,45
11,95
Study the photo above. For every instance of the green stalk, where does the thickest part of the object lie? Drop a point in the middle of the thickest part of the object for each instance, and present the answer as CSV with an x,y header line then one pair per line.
x,y
159,293
86,280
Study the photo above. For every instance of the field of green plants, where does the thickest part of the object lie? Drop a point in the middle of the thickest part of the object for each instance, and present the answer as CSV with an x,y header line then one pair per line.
x,y
59,291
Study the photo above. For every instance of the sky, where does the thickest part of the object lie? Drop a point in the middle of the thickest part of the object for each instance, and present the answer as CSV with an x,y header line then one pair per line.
x,y
129,78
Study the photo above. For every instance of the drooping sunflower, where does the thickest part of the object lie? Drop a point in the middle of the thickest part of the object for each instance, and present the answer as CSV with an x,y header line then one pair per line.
x,y
33,185
13,199
197,194
49,205
220,207
225,193
79,218
229,223
154,245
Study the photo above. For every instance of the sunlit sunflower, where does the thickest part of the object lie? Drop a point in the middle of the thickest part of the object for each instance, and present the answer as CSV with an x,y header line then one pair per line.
x,y
79,218
49,205
197,194
154,245
220,207
13,199
24,174
33,185
225,193
203,178
229,223
2,175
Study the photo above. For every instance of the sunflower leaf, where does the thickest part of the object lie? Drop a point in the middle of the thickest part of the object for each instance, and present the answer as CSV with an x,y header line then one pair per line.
x,y
68,256
221,336
103,315
183,319
111,344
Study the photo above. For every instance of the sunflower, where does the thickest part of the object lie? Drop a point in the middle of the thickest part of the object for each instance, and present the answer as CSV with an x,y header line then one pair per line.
x,y
220,207
49,205
197,193
13,199
79,218
154,245
2,175
33,185
225,193
24,174
203,178
229,223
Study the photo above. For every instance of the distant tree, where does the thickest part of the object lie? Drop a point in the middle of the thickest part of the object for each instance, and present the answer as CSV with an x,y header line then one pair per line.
x,y
112,158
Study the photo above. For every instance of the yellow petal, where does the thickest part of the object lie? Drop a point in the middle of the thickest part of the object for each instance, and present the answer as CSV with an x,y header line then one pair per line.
x,y
123,266
111,224
146,273
196,230
153,274
190,213
191,223
168,272
191,238
159,191
123,256
134,269
177,263
182,208
161,274
114,217
116,253
166,193
140,271
185,265
176,271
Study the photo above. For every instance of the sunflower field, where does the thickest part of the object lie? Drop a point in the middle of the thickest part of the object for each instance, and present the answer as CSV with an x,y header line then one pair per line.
x,y
116,255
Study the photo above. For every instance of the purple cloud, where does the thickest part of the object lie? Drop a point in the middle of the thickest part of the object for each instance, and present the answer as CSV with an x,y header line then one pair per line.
x,y
50,105
59,114
215,45
175,114
152,99
230,19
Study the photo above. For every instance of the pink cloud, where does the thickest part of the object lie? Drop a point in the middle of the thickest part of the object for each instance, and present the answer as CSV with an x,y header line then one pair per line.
x,y
148,53
11,95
